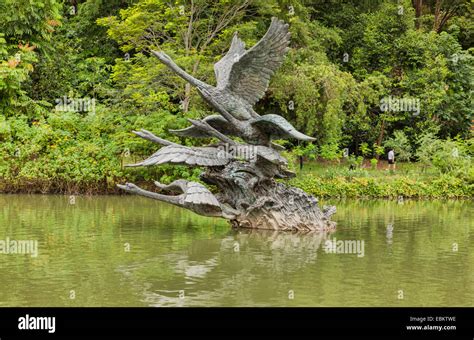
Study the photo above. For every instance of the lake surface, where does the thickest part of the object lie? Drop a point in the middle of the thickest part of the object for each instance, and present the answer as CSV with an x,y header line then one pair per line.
x,y
132,251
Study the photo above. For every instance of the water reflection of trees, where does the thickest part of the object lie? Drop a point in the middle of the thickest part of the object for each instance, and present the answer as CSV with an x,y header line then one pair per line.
x,y
82,247
82,244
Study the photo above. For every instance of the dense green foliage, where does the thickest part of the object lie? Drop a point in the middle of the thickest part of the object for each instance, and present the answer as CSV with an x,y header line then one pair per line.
x,y
364,76
445,186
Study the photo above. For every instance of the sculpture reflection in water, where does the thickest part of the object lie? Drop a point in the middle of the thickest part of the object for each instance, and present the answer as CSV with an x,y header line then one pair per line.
x,y
244,174
220,272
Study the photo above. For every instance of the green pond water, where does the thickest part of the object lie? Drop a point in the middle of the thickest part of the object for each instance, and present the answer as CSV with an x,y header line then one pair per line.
x,y
132,251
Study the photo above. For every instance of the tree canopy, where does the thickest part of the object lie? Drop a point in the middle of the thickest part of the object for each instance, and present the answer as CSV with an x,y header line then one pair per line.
x,y
373,72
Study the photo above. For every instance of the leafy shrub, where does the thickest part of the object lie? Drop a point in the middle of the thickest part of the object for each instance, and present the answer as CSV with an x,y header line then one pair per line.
x,y
446,186
447,156
373,163
329,151
365,149
401,146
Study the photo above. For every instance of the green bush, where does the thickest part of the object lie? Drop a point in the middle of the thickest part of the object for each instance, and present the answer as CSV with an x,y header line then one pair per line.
x,y
447,156
445,186
401,146
70,152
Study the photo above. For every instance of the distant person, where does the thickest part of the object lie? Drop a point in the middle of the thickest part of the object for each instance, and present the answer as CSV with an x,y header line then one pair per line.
x,y
391,159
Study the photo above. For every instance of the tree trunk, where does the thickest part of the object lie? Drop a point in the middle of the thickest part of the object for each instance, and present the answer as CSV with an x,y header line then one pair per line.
x,y
437,13
187,89
380,139
418,5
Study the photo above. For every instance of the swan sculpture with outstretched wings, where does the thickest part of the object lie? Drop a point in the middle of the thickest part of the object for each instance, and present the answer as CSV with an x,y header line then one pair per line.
x,y
242,78
246,74
242,175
